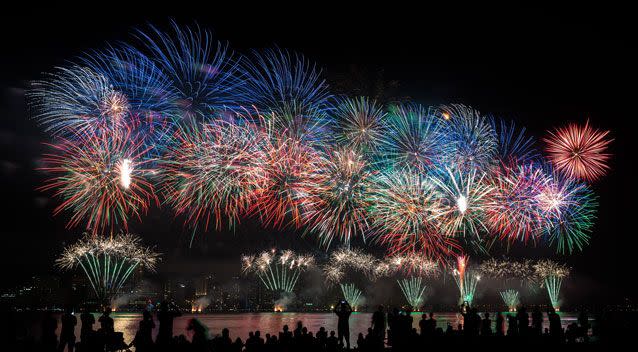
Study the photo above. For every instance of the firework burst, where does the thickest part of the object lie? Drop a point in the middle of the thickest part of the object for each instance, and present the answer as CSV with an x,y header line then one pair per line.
x,y
579,151
406,213
288,180
101,180
108,262
277,270
514,145
568,208
204,74
360,124
77,101
413,139
290,91
463,196
470,140
344,260
512,210
210,173
340,211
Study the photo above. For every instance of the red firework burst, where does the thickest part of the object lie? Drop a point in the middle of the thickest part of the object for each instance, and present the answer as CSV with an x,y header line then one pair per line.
x,y
579,151
288,179
100,178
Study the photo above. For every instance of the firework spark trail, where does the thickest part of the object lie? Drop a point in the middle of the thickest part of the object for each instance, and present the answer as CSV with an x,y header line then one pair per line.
x,y
579,151
414,291
514,145
101,179
553,283
551,274
278,271
108,262
466,280
510,298
352,295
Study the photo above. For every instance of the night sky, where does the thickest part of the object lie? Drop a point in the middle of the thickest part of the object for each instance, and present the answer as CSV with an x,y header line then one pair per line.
x,y
539,68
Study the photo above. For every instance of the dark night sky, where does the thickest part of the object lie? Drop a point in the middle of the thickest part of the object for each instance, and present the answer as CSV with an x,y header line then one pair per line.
x,y
540,68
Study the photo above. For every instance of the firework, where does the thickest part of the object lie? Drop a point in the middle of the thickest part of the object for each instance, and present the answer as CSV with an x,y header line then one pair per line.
x,y
279,271
78,101
406,211
346,259
290,92
470,140
466,280
101,180
545,268
288,181
209,173
359,124
204,74
463,196
579,151
568,208
414,291
514,145
352,295
508,269
552,284
413,139
412,263
510,298
340,210
108,262
512,210
146,91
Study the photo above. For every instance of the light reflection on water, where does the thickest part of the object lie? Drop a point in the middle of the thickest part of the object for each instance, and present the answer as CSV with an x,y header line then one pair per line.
x,y
240,324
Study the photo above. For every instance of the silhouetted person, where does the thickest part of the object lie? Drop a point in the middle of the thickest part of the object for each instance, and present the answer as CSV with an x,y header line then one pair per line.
x,y
512,325
555,328
431,324
143,340
343,311
285,337
106,322
486,325
49,339
67,334
500,324
423,325
332,342
378,323
537,321
199,341
523,321
86,331
165,317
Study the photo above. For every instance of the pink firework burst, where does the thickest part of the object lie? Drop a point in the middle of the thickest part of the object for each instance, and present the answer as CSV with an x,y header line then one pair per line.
x,y
579,151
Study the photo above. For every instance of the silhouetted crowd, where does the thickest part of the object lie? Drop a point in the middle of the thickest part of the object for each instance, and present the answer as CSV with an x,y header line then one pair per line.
x,y
388,330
